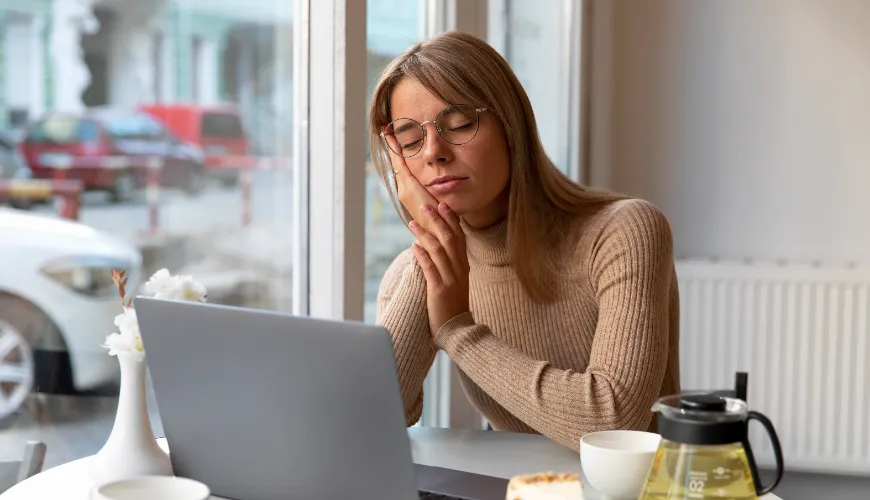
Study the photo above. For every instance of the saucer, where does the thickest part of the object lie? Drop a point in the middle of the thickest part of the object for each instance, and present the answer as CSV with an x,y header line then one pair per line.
x,y
151,487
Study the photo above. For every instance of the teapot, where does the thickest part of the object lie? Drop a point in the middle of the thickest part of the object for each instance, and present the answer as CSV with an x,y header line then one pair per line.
x,y
704,452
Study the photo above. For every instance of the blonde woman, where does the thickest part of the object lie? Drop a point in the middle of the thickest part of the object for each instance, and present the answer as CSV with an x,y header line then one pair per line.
x,y
558,303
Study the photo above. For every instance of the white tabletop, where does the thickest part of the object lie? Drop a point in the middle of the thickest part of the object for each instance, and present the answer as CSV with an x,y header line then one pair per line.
x,y
497,454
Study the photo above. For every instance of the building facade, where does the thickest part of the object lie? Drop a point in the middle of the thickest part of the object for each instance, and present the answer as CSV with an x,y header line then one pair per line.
x,y
67,55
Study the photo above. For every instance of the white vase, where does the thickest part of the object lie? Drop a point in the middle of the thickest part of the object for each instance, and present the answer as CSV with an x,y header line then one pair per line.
x,y
131,449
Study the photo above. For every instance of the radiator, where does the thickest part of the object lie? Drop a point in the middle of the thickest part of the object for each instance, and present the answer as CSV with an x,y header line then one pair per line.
x,y
800,331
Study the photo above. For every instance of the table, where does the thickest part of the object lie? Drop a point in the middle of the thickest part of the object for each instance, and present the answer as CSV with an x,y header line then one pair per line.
x,y
498,454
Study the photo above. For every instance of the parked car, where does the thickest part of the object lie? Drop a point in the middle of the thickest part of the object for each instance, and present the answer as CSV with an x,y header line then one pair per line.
x,y
57,305
13,166
218,130
111,150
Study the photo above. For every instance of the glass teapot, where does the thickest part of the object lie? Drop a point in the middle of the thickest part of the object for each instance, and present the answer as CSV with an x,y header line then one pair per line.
x,y
704,452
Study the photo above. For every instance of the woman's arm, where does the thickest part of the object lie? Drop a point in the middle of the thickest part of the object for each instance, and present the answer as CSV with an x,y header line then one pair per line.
x,y
632,274
401,310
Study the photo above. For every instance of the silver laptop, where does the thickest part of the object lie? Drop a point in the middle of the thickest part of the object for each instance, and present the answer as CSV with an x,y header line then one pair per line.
x,y
261,405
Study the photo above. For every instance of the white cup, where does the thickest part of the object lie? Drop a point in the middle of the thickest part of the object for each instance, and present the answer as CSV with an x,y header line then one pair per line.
x,y
153,487
616,463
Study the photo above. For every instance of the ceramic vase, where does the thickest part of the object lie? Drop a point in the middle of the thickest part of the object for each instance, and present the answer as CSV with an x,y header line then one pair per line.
x,y
131,449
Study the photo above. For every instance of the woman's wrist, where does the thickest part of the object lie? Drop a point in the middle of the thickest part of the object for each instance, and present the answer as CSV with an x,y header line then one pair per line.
x,y
446,335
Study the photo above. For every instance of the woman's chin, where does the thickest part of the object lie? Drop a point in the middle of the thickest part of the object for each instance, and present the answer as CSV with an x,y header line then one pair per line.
x,y
459,204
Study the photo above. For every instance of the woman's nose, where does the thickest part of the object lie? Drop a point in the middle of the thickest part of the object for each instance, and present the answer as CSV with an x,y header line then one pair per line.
x,y
435,148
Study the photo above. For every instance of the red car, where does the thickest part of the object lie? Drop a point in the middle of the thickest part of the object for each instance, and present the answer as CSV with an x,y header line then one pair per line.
x,y
110,150
216,129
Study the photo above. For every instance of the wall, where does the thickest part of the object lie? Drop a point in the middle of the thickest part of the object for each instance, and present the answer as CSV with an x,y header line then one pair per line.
x,y
747,122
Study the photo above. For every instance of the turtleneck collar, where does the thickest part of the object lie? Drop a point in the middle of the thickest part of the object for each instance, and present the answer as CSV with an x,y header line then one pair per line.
x,y
488,246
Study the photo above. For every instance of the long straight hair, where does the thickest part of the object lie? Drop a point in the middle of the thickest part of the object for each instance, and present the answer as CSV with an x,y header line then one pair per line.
x,y
461,68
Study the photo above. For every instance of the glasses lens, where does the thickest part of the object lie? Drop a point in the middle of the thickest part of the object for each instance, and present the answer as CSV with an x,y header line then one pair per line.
x,y
458,124
404,137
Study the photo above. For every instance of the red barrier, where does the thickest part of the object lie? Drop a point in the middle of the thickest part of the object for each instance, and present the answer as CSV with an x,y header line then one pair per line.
x,y
152,191
245,185
68,191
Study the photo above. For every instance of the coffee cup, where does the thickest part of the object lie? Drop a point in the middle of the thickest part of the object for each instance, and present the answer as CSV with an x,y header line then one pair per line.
x,y
616,463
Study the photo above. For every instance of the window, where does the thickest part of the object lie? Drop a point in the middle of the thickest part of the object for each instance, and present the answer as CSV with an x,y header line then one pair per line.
x,y
222,211
392,26
544,39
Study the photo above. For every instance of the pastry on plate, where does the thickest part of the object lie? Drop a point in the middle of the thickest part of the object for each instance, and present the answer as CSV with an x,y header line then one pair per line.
x,y
545,486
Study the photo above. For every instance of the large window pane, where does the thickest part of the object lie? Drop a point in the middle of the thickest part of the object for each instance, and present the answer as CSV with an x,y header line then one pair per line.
x,y
176,118
392,25
540,40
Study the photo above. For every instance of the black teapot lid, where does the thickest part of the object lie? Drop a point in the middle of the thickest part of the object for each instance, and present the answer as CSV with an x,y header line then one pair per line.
x,y
701,418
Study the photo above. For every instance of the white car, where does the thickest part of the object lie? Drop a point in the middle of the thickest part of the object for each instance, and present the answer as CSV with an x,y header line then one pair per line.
x,y
57,305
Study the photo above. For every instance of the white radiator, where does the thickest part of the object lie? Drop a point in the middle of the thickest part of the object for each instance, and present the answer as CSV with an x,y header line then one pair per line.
x,y
801,332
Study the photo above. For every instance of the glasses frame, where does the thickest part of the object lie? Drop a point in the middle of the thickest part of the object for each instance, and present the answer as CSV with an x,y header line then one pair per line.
x,y
478,111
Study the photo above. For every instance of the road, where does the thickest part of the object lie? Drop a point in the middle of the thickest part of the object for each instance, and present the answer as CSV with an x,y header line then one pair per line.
x,y
216,207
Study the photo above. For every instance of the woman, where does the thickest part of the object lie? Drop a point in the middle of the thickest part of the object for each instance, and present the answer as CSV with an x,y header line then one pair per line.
x,y
558,303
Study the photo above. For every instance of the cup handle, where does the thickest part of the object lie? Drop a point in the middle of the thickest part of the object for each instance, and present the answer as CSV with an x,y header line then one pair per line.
x,y
777,452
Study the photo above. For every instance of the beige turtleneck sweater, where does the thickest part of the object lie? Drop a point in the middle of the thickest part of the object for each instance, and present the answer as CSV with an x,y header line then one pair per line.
x,y
595,359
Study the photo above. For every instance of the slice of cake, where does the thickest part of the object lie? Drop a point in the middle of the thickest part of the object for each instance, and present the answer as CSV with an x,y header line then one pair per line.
x,y
545,486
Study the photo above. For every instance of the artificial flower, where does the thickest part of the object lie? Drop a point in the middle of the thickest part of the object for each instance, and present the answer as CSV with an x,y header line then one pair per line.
x,y
119,343
162,285
165,286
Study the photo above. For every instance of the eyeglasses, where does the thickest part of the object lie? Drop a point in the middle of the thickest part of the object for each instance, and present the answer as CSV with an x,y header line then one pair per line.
x,y
457,124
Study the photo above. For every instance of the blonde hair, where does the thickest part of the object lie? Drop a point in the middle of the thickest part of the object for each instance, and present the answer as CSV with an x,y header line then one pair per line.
x,y
460,68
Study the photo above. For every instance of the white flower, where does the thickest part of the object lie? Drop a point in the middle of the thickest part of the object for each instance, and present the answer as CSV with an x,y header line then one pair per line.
x,y
186,288
183,287
128,340
127,322
160,283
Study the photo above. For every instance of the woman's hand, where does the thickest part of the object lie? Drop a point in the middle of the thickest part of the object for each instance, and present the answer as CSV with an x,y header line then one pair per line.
x,y
440,247
441,253
412,195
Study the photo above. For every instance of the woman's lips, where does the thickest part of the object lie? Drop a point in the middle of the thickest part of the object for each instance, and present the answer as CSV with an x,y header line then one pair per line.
x,y
446,186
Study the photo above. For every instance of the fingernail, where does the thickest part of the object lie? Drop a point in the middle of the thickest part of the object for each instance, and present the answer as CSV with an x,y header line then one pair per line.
x,y
444,208
414,225
426,208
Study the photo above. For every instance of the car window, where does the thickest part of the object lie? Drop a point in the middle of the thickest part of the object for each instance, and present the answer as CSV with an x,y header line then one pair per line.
x,y
221,125
63,130
129,127
153,129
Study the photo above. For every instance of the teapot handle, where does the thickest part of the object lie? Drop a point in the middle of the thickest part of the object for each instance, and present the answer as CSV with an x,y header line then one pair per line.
x,y
777,452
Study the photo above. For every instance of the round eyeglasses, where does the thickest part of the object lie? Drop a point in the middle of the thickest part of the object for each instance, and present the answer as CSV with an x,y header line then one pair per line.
x,y
456,124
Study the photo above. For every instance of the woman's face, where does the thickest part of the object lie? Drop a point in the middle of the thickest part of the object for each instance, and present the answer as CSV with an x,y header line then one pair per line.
x,y
471,178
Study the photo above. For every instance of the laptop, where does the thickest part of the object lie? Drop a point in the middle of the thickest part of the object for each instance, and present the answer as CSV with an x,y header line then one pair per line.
x,y
263,405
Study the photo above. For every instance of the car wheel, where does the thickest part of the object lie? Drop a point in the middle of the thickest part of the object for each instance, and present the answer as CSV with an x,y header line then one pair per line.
x,y
16,369
124,187
21,204
52,369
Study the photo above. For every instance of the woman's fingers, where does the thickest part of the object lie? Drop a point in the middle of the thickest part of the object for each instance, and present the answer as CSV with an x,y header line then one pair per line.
x,y
452,238
436,252
430,270
450,218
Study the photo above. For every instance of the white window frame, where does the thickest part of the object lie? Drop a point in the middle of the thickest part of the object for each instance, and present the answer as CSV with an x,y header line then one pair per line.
x,y
335,159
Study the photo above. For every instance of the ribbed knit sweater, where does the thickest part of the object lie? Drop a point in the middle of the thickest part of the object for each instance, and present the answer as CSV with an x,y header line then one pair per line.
x,y
595,359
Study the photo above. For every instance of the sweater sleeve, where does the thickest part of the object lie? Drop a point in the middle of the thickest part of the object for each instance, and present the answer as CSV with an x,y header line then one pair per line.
x,y
401,309
631,273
